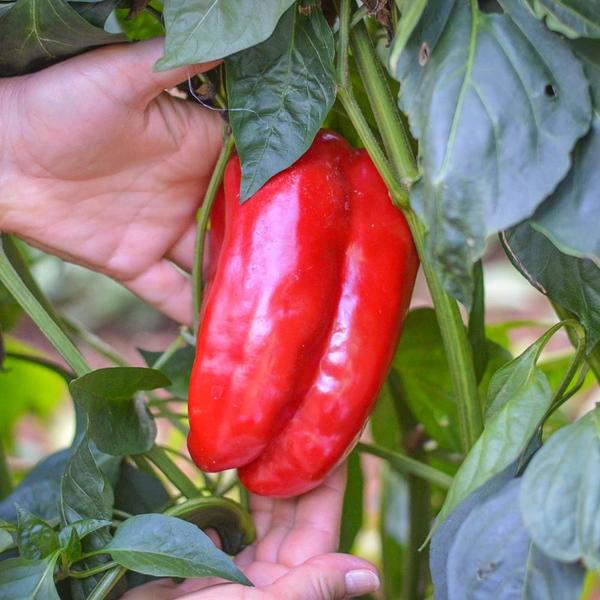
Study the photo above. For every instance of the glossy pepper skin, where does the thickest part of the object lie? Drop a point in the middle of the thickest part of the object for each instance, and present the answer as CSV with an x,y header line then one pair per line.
x,y
304,307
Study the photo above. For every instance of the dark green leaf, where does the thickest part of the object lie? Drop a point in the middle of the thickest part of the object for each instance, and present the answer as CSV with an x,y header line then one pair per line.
x,y
279,95
570,216
22,579
71,548
476,331
421,363
96,13
492,556
35,538
560,497
518,397
138,491
177,368
82,528
498,103
573,18
36,33
203,30
120,423
169,547
573,283
385,426
352,513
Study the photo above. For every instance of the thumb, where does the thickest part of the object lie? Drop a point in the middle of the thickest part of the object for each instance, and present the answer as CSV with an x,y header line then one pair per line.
x,y
327,577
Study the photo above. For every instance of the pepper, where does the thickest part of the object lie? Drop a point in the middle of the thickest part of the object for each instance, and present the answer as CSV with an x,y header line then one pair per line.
x,y
305,303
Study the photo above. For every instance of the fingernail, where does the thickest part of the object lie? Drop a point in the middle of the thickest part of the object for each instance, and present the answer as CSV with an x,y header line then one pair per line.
x,y
361,581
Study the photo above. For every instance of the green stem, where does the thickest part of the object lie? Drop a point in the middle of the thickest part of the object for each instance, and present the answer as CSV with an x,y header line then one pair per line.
x,y
5,479
94,571
107,583
352,108
407,465
453,331
38,313
94,342
172,472
168,353
43,362
202,223
395,137
593,357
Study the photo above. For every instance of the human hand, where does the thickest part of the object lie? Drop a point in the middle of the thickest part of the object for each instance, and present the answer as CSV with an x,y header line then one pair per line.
x,y
100,167
292,558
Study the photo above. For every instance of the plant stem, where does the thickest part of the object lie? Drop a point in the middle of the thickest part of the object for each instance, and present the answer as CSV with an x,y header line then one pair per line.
x,y
107,583
90,572
43,362
593,357
407,465
5,479
38,313
172,472
202,223
94,342
168,353
452,328
395,137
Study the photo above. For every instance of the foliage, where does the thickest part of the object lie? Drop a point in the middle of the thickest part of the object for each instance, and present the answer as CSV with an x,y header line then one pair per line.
x,y
483,118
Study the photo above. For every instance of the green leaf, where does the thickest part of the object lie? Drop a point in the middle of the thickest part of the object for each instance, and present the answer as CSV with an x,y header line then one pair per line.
x,y
86,494
518,397
82,528
177,368
573,283
36,33
21,578
497,102
139,491
35,538
279,95
573,18
492,556
165,546
421,363
203,30
6,540
352,512
560,496
120,423
96,13
569,217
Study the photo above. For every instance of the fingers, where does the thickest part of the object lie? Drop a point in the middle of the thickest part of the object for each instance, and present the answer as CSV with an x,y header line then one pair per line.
x,y
327,577
166,288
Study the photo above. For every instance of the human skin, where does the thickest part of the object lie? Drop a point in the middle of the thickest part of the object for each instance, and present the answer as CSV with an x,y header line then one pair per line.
x,y
100,167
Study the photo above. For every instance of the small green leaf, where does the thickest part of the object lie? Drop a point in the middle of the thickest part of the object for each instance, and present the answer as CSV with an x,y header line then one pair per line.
x,y
169,547
21,578
203,30
36,33
573,283
139,491
573,18
518,397
82,528
497,102
279,95
35,538
569,217
119,421
560,496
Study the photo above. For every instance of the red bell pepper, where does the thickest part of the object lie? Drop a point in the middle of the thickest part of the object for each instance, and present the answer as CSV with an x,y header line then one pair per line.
x,y
299,325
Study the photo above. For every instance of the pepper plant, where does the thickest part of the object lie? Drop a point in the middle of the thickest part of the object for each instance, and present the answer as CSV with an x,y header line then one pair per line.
x,y
483,119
